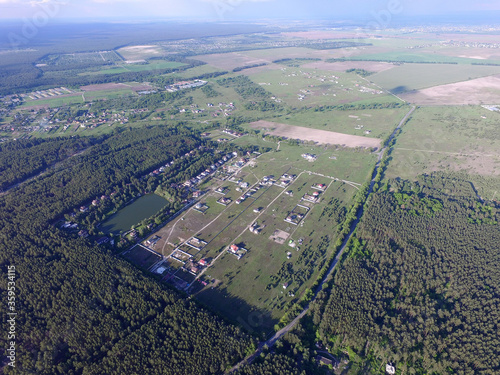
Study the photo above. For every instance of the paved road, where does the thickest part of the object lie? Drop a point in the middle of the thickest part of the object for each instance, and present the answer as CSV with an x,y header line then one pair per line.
x,y
326,278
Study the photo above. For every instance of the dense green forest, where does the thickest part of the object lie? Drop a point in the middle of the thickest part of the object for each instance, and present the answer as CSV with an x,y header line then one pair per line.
x,y
82,309
26,158
420,284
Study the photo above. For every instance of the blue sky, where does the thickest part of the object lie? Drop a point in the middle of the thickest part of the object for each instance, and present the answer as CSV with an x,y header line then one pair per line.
x,y
234,10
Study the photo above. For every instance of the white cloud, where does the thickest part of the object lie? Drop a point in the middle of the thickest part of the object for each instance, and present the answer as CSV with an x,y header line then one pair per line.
x,y
40,2
236,2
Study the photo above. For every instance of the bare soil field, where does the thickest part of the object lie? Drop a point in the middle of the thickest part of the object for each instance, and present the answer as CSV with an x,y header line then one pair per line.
x,y
484,90
315,135
371,66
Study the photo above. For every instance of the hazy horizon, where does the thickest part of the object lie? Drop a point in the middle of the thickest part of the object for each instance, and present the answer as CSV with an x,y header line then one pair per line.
x,y
244,10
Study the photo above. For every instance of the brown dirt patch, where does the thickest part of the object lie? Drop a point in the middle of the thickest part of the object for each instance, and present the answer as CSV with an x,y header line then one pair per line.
x,y
315,135
342,66
484,90
279,236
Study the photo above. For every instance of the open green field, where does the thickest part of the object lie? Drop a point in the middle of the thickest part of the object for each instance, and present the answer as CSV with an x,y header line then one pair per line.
x,y
348,164
124,68
196,71
279,53
380,122
108,94
409,77
56,101
448,138
307,87
391,41
405,56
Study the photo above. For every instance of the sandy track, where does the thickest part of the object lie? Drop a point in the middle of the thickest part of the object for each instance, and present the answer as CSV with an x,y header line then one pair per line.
x,y
316,135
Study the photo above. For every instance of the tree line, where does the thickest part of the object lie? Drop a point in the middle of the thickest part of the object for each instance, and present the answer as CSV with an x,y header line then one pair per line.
x,y
81,308
420,283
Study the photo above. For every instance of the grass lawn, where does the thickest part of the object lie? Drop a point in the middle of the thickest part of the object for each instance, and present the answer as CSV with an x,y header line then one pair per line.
x,y
409,77
196,71
381,122
108,94
55,101
417,57
465,138
124,68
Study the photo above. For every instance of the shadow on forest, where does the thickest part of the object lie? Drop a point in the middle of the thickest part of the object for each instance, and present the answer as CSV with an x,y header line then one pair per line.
x,y
237,310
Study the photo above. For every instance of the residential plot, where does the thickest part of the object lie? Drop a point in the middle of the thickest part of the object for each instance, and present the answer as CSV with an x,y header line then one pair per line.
x,y
344,163
306,87
280,253
236,258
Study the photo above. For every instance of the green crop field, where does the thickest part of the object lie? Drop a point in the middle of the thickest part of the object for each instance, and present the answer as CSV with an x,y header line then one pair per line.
x,y
448,138
415,57
56,101
124,68
409,77
196,71
380,122
279,53
108,94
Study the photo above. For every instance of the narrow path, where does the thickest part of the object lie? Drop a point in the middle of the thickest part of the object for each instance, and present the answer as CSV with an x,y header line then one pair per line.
x,y
270,342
